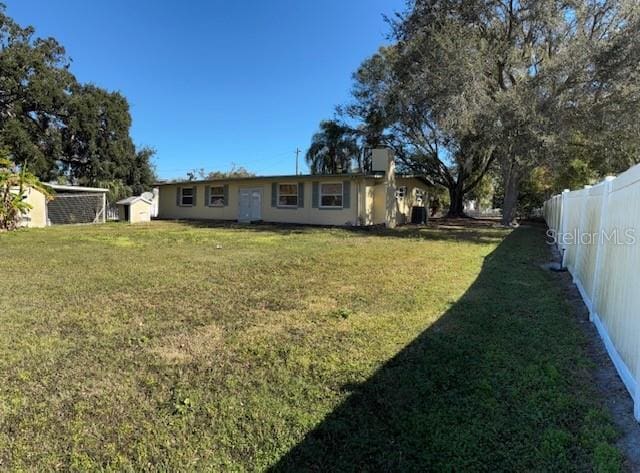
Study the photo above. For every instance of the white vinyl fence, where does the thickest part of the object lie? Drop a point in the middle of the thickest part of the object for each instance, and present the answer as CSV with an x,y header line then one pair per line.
x,y
598,231
112,212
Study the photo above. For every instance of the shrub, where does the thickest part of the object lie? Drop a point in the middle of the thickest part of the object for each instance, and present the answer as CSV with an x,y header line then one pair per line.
x,y
13,182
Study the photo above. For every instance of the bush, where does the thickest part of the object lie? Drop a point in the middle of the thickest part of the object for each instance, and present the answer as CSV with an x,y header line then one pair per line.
x,y
13,182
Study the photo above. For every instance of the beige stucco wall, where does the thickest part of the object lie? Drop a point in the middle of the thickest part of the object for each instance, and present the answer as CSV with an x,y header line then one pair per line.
x,y
304,215
379,204
37,216
391,207
404,205
373,199
367,194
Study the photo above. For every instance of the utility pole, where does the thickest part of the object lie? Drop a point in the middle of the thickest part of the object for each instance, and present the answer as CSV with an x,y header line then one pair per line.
x,y
297,153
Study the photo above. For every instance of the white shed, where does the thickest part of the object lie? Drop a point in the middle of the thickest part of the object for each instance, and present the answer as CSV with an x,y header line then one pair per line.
x,y
135,209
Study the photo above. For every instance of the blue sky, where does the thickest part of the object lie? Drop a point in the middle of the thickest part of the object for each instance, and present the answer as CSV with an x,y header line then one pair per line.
x,y
211,83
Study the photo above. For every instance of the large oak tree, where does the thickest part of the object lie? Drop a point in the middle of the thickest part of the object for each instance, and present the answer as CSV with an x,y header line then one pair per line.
x,y
507,85
534,73
58,128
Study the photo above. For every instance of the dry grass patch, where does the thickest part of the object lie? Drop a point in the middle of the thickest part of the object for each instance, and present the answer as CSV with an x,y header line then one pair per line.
x,y
200,344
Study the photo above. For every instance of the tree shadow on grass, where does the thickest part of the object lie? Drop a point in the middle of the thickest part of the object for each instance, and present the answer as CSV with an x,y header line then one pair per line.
x,y
497,383
467,231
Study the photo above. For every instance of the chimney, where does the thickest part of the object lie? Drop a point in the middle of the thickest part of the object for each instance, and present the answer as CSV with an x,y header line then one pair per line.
x,y
383,162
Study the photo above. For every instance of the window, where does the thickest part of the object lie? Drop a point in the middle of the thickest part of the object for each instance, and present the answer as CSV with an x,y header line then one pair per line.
x,y
420,196
331,195
186,196
216,196
287,195
401,192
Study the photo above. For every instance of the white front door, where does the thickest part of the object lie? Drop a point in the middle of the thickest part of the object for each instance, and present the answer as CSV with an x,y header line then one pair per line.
x,y
250,205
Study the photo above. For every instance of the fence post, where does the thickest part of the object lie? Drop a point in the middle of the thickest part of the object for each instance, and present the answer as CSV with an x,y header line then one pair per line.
x,y
606,190
563,223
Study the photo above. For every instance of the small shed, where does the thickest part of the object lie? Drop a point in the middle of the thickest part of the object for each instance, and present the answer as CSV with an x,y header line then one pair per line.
x,y
76,204
135,209
69,204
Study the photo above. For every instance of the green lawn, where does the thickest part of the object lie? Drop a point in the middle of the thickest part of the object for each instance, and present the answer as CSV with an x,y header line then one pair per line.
x,y
175,346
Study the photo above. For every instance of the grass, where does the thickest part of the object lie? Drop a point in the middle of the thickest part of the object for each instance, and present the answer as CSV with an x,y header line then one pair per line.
x,y
173,346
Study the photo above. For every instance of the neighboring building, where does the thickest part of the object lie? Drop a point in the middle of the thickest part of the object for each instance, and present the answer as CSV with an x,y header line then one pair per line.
x,y
135,209
380,197
70,204
473,208
37,215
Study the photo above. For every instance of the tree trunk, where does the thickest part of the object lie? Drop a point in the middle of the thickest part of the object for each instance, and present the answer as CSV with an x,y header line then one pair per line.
x,y
511,190
456,200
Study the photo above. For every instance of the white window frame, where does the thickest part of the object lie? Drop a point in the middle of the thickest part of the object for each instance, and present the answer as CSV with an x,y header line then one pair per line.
x,y
182,196
401,192
290,206
217,196
321,194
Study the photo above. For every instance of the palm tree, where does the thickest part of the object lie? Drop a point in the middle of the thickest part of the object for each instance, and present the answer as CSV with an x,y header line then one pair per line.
x,y
333,149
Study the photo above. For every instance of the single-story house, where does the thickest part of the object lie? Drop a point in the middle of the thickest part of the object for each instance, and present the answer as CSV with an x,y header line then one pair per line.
x,y
377,197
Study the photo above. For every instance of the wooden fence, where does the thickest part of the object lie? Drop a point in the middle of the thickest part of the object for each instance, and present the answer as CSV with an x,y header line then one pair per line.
x,y
597,231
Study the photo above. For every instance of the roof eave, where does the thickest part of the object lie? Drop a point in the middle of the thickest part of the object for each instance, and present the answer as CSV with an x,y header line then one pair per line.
x,y
64,187
268,178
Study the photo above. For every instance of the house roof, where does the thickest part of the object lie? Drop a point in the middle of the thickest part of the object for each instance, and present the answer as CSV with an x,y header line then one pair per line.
x,y
132,199
293,176
269,178
61,187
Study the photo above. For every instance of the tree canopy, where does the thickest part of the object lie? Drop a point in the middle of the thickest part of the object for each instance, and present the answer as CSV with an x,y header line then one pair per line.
x,y
399,107
530,77
59,128
507,86
233,173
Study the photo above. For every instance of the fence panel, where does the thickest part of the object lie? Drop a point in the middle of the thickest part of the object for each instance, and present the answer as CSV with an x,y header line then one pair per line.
x,y
112,212
597,228
571,213
618,295
588,244
551,211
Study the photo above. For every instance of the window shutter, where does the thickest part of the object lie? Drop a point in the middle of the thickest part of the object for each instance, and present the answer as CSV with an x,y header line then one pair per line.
x,y
274,194
346,194
195,193
178,202
226,194
315,194
300,194
207,195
